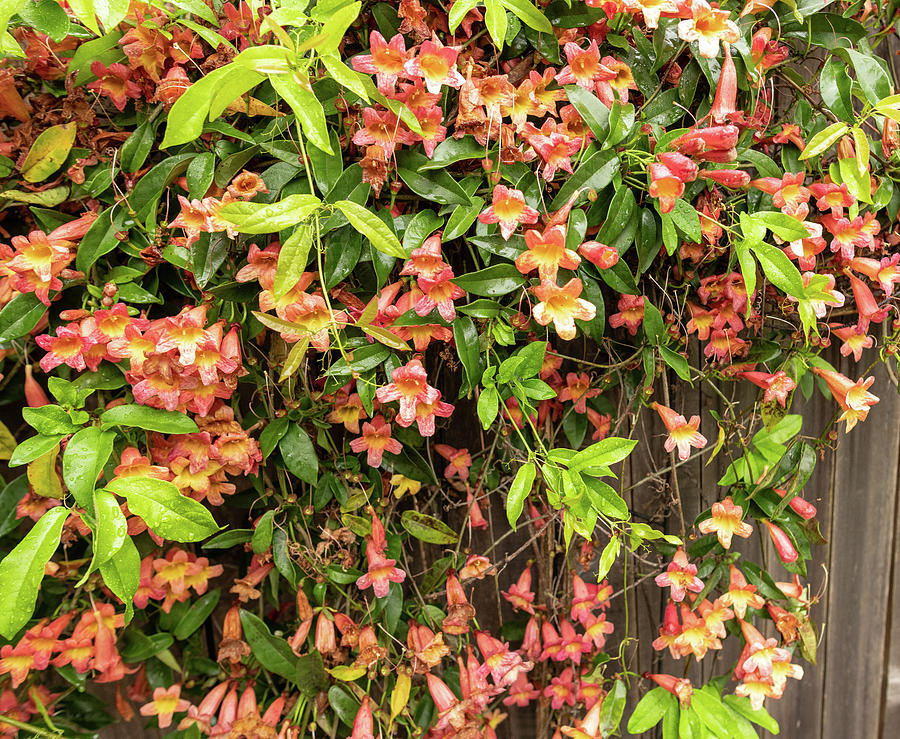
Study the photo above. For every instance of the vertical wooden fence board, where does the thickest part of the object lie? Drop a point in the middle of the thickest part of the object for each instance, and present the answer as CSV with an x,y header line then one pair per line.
x,y
861,546
890,706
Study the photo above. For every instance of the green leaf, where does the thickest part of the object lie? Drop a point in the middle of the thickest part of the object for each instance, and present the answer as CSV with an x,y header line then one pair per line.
x,y
263,218
273,653
196,615
427,528
654,328
676,362
373,228
687,219
823,140
99,240
307,108
650,710
19,316
22,570
519,491
780,270
189,112
149,419
495,20
164,509
452,150
529,15
488,406
292,259
10,496
608,557
493,281
594,113
459,10
594,173
834,86
122,574
871,76
229,539
299,454
110,530
48,152
262,534
602,454
708,705
87,452
49,420
465,336
435,185
760,716
782,225
45,16
604,499
32,448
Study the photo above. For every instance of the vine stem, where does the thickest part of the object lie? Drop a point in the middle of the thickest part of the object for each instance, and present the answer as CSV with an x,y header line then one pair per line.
x,y
36,730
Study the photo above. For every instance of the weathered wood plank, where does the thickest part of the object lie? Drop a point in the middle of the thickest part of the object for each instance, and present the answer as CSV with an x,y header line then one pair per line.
x,y
862,539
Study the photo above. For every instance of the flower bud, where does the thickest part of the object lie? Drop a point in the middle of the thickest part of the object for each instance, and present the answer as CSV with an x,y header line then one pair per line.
x,y
34,393
783,545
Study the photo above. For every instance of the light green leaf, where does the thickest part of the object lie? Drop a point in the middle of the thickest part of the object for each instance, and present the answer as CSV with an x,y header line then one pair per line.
x,y
495,20
528,14
823,140
602,454
122,574
519,491
780,270
86,454
164,509
372,227
307,108
189,112
292,259
22,570
110,530
262,218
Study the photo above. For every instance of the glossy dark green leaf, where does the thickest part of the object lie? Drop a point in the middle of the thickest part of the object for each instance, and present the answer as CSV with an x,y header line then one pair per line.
x,y
435,185
594,113
229,539
272,652
262,534
594,173
207,256
10,496
197,615
493,281
465,336
427,528
299,454
453,150
149,419
19,316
